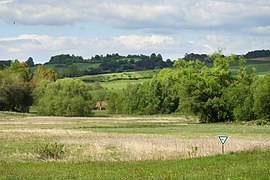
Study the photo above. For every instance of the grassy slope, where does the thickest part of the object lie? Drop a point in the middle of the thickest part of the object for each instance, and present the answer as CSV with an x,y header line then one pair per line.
x,y
262,66
61,67
136,75
116,82
247,165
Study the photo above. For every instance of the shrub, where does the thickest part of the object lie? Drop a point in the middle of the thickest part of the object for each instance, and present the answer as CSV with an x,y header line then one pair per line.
x,y
51,151
65,97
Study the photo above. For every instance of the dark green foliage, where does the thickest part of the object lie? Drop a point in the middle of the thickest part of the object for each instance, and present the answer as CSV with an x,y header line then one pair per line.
x,y
5,63
257,54
192,57
30,62
15,91
65,59
107,64
65,97
72,70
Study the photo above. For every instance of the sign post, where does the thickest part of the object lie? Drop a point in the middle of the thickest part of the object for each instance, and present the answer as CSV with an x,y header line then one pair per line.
x,y
223,139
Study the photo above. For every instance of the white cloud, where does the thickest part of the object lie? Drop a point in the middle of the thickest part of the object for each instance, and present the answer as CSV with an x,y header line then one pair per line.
x,y
261,30
138,14
42,47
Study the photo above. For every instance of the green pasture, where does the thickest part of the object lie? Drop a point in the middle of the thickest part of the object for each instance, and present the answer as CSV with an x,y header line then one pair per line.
x,y
135,75
244,165
262,66
118,86
61,67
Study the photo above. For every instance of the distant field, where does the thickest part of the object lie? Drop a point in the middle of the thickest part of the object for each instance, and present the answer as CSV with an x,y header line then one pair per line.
x,y
145,147
61,67
261,59
116,82
119,86
262,65
135,75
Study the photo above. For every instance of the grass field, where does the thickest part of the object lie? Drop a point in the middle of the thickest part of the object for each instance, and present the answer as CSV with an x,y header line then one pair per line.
x,y
135,147
245,165
116,82
135,75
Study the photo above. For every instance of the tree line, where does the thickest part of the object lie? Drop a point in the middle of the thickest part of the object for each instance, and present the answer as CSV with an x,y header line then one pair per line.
x,y
211,93
20,89
108,64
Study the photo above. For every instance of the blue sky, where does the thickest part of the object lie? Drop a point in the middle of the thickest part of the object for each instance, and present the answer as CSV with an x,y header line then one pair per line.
x,y
44,28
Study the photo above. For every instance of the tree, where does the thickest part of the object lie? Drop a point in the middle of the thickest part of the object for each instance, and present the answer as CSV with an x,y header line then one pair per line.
x,y
15,93
30,62
41,74
206,87
65,97
116,103
72,70
22,69
238,96
262,97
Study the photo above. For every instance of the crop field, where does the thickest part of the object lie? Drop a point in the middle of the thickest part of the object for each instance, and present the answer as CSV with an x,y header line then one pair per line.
x,y
142,146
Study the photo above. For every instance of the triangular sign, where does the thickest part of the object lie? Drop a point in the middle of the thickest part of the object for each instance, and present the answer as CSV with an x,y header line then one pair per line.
x,y
223,139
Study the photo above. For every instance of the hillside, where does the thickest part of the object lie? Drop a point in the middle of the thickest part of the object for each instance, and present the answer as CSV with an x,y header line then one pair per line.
x,y
75,66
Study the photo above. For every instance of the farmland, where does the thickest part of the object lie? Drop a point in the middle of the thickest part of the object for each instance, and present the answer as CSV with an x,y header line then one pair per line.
x,y
136,147
116,82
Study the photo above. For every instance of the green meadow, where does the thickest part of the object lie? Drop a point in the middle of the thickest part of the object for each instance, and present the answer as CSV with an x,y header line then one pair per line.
x,y
137,147
243,165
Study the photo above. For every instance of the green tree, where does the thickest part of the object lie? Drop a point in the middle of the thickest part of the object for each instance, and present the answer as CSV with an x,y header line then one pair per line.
x,y
22,69
65,97
41,74
30,62
262,97
207,87
116,103
239,95
72,70
15,93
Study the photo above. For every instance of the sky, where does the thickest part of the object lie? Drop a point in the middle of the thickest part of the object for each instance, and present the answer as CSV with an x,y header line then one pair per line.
x,y
44,28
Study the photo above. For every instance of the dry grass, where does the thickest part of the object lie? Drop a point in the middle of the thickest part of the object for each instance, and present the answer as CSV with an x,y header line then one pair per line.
x,y
113,146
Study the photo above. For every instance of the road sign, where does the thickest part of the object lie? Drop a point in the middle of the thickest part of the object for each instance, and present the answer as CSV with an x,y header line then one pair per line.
x,y
223,139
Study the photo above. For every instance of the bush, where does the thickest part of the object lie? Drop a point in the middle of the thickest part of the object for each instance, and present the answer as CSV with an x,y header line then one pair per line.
x,y
65,97
51,151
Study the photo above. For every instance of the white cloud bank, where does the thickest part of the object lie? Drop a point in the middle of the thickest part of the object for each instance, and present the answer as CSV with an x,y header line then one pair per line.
x,y
151,15
169,27
42,47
